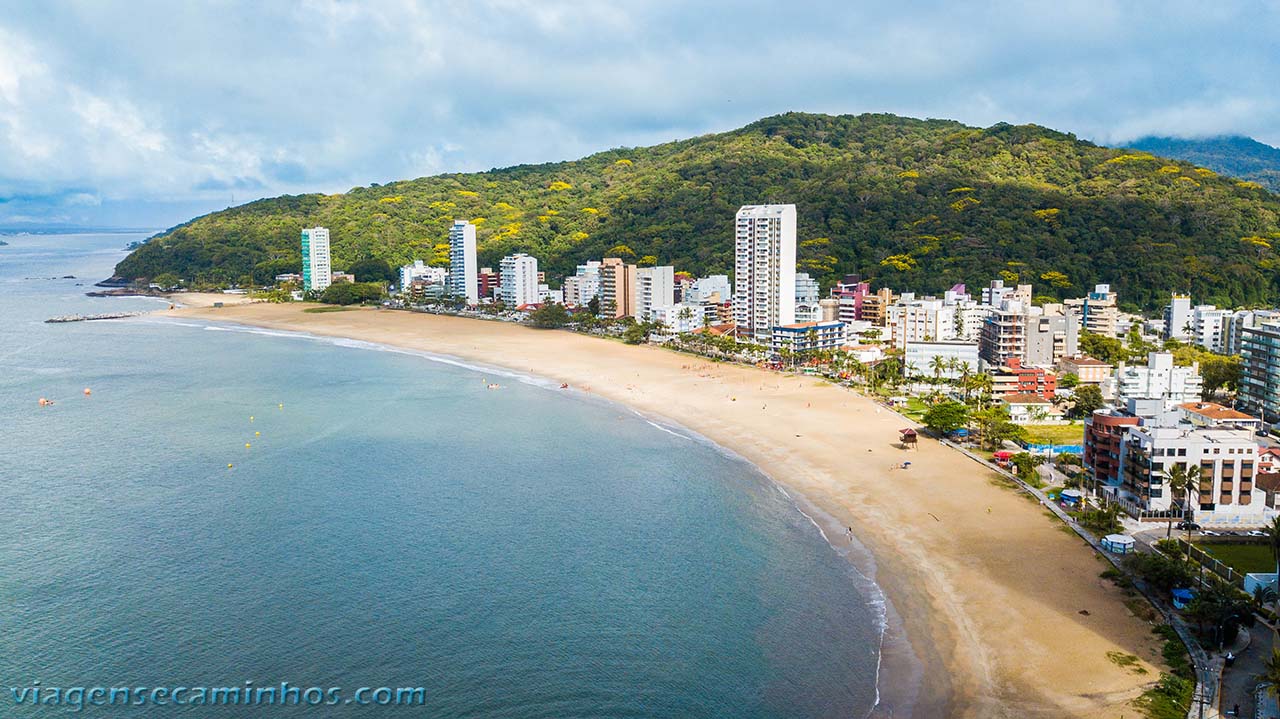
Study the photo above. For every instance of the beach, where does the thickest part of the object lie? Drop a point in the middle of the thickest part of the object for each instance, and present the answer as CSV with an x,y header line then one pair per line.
x,y
1003,610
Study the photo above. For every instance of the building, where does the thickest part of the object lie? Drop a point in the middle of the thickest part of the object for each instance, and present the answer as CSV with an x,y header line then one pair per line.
x,y
683,317
463,279
1030,409
1259,392
488,282
996,293
808,336
421,272
807,299
1242,319
927,319
583,286
1017,378
764,270
1209,327
617,288
1160,381
1177,317
875,307
1104,432
337,277
712,289
1225,458
955,357
1212,414
1097,311
1040,336
317,271
1087,369
519,280
655,287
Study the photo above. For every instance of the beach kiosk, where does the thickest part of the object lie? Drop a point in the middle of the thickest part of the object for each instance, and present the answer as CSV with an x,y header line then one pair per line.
x,y
1071,497
1002,457
1118,543
1182,597
909,438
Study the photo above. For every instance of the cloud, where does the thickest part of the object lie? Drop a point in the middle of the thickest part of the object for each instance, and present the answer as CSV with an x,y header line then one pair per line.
x,y
205,102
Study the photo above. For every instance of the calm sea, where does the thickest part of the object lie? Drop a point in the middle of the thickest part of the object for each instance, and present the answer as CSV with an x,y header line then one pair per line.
x,y
392,523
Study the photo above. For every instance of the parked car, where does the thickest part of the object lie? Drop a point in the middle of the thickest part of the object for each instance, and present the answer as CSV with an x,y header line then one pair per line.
x,y
1257,533
1188,526
1210,533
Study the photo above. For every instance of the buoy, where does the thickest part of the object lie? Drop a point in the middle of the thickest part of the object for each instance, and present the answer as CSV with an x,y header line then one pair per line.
x,y
87,391
228,465
257,434
246,445
250,418
282,405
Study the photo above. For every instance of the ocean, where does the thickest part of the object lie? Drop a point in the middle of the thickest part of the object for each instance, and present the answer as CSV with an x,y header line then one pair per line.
x,y
235,508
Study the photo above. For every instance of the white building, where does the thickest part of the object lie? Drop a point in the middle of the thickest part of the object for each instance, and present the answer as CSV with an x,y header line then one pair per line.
x,y
808,336
683,317
317,270
1177,317
764,270
807,298
920,356
1209,327
584,285
1097,311
712,288
519,273
996,292
420,271
1160,380
655,287
1241,320
1226,462
463,280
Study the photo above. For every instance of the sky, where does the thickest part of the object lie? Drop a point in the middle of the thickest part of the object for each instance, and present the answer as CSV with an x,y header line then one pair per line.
x,y
146,113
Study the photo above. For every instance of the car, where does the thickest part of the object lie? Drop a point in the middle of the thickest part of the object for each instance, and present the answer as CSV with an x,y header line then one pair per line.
x,y
1188,526
1256,533
1210,533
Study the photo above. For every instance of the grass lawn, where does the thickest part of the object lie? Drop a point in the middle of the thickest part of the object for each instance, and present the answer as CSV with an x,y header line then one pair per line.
x,y
915,408
1242,557
1055,433
330,308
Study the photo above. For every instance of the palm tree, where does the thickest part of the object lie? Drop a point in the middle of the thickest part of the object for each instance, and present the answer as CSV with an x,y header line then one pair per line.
x,y
1179,478
938,364
1271,671
1273,540
983,383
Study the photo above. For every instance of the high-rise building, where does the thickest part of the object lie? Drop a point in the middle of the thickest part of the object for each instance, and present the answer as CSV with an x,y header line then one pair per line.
x,y
519,280
1177,317
807,296
1241,319
1037,336
463,280
655,287
1260,371
1159,387
317,272
764,270
617,288
1097,311
583,286
1209,327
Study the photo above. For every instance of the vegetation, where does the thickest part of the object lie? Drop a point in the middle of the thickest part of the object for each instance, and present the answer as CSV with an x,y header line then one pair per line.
x,y
1170,698
1243,558
1240,157
1163,573
1085,400
549,316
350,293
909,203
946,416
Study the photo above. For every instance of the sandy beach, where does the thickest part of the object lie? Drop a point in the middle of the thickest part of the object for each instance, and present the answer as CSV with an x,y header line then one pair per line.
x,y
1003,610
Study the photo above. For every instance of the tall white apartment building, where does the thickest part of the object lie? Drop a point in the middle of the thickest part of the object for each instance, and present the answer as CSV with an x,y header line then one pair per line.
x,y
317,270
996,292
1209,327
583,286
463,280
655,287
764,279
1225,461
519,273
1177,317
712,288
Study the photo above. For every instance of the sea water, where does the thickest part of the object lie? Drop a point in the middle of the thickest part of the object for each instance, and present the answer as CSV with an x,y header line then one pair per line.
x,y
234,508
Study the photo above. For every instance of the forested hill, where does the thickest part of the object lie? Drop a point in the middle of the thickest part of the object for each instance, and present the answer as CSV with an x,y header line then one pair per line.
x,y
1242,157
913,204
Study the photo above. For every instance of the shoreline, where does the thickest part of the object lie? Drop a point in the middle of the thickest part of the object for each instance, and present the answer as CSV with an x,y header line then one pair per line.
x,y
947,573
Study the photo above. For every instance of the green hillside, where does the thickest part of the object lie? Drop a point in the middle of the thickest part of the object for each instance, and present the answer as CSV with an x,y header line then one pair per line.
x,y
914,204
1242,157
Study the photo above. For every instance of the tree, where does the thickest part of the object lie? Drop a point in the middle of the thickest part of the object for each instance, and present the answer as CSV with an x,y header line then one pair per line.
x,y
1107,349
1219,372
939,365
372,270
1087,399
995,427
167,281
1068,380
1273,541
549,316
1271,672
1180,478
946,417
350,293
593,305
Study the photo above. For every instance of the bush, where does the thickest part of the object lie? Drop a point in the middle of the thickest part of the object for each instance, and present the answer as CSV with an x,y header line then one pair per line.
x,y
350,293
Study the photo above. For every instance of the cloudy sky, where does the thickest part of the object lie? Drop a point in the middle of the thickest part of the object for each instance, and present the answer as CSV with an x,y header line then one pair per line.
x,y
146,113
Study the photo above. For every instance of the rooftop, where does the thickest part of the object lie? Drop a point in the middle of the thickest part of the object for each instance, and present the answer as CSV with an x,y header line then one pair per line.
x,y
1085,361
1025,398
1212,410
